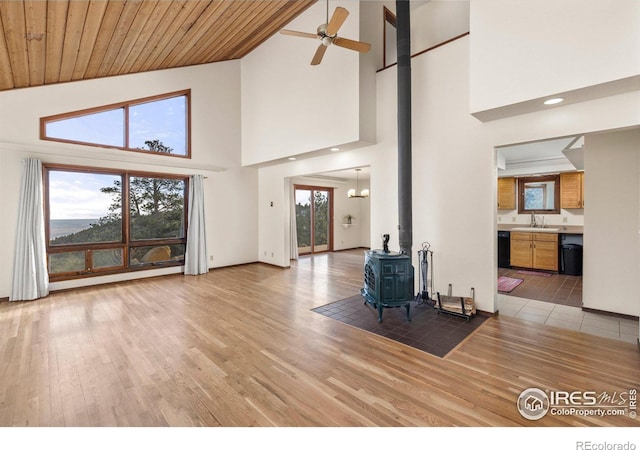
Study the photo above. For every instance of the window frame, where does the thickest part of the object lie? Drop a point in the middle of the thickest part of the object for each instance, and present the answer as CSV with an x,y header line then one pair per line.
x,y
330,237
556,194
126,243
126,106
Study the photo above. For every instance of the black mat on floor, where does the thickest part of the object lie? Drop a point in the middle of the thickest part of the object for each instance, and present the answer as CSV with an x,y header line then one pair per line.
x,y
428,331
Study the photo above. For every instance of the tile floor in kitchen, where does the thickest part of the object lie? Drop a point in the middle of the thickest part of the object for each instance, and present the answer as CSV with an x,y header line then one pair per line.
x,y
569,317
557,301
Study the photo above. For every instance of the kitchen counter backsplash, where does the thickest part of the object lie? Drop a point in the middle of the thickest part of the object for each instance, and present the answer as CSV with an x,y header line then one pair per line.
x,y
562,229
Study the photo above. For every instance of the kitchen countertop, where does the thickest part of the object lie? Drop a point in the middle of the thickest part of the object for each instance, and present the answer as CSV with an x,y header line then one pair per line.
x,y
564,229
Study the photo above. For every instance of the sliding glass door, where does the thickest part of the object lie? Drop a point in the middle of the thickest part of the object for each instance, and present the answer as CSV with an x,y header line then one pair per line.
x,y
314,216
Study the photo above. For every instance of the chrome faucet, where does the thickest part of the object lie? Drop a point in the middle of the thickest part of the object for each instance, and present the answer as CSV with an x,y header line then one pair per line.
x,y
533,220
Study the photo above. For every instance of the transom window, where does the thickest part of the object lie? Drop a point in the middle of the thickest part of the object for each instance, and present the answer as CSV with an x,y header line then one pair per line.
x,y
109,221
157,125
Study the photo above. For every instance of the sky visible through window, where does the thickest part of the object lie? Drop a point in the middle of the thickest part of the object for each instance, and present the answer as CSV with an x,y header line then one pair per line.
x,y
163,120
76,195
104,128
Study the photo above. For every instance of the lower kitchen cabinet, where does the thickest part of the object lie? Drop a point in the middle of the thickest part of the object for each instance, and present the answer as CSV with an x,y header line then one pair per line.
x,y
534,250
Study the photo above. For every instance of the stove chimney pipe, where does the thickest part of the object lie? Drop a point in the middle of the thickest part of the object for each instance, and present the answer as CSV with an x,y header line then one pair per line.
x,y
403,42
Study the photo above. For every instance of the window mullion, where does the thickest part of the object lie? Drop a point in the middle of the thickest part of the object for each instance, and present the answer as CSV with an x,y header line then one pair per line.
x,y
126,216
126,127
88,260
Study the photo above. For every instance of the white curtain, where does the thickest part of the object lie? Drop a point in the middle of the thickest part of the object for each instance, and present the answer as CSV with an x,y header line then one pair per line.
x,y
195,260
30,277
293,228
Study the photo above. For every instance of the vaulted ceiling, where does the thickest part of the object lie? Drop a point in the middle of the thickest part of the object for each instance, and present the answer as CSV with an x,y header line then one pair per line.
x,y
54,41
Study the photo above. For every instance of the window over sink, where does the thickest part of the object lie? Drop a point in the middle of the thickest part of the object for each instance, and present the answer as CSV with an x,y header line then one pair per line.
x,y
539,194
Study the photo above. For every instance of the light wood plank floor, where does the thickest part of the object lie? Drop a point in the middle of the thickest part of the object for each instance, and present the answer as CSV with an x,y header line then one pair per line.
x,y
240,347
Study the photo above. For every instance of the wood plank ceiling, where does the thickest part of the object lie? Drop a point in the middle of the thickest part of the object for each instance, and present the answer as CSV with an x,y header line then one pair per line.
x,y
54,41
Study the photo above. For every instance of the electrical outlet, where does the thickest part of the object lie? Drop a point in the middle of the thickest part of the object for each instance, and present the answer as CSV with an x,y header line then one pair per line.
x,y
211,258
564,220
513,219
272,254
265,253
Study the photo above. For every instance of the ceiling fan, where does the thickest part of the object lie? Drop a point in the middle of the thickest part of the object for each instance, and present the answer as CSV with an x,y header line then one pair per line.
x,y
328,34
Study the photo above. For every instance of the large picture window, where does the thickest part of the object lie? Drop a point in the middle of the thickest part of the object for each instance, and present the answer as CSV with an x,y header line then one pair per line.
x,y
157,125
106,221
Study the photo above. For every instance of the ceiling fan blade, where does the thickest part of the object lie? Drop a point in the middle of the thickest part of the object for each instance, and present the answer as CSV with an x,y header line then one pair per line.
x,y
299,34
338,18
317,58
358,46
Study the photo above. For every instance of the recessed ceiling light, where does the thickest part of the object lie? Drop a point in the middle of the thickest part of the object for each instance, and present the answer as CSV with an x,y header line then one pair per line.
x,y
335,149
554,101
291,158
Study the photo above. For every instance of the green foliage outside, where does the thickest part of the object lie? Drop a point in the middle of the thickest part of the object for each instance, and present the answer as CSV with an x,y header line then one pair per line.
x,y
321,220
156,208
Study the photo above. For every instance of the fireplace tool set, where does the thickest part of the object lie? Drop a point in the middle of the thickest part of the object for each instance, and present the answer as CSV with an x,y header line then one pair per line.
x,y
449,304
425,259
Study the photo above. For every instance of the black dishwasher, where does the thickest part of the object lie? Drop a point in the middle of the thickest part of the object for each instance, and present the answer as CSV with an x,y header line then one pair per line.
x,y
504,249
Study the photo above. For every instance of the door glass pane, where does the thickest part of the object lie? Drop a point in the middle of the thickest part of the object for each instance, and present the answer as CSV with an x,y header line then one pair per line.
x,y
321,221
303,220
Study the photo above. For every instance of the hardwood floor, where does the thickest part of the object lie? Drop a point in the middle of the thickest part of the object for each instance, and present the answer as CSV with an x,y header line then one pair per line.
x,y
241,347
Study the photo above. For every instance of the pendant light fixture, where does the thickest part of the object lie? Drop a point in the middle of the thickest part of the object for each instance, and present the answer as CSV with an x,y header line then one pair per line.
x,y
352,193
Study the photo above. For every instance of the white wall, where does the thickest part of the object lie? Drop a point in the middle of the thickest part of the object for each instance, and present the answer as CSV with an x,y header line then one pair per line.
x,y
432,22
454,172
215,125
530,49
353,235
274,187
290,107
612,243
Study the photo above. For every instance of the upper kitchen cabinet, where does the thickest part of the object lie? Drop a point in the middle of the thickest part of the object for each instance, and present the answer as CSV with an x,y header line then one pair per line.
x,y
572,190
507,193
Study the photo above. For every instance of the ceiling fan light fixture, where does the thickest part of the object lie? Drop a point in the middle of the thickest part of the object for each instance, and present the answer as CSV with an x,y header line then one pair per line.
x,y
327,33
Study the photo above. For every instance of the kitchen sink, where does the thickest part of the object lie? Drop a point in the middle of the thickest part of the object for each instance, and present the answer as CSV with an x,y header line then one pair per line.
x,y
536,230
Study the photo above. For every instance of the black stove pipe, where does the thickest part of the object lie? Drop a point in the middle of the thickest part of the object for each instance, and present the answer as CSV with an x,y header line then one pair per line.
x,y
403,42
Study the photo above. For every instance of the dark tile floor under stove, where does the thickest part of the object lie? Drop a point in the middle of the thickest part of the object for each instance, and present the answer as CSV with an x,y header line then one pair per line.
x,y
428,331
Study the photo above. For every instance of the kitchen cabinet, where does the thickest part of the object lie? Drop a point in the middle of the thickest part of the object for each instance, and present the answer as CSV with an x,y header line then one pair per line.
x,y
507,193
534,250
572,190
